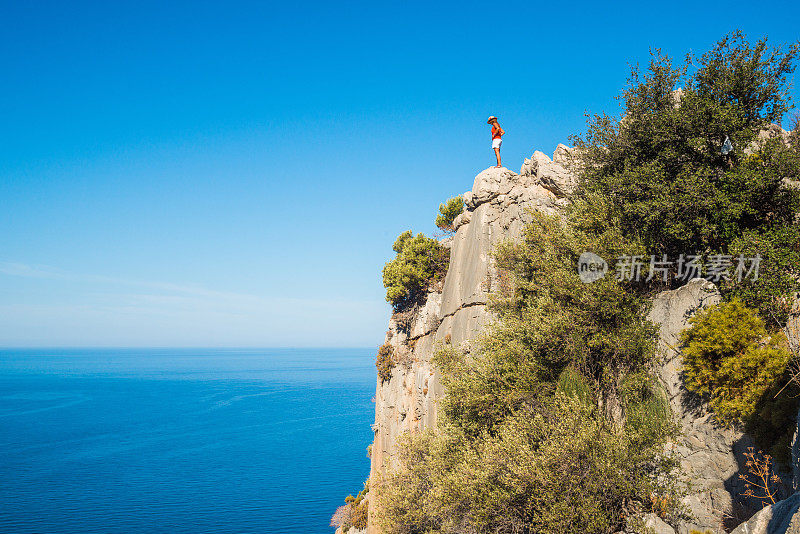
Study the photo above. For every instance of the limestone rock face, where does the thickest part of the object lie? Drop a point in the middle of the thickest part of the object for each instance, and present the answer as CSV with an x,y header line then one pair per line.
x,y
554,174
707,453
496,209
563,155
773,131
657,524
779,518
489,184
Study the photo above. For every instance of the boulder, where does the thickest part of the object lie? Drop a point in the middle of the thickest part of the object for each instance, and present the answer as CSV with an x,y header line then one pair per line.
x,y
658,526
563,155
460,220
773,131
467,196
553,176
490,184
779,518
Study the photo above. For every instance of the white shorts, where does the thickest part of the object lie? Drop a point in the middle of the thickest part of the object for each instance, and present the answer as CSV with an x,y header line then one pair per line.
x,y
497,142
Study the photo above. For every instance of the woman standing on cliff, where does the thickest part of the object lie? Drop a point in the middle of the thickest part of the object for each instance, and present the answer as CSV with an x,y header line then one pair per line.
x,y
497,134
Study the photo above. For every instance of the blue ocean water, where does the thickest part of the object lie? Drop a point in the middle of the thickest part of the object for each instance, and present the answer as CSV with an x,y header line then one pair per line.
x,y
266,441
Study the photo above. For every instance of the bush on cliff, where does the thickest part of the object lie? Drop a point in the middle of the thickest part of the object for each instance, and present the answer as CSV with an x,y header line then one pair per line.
x,y
730,359
384,362
661,169
354,512
360,513
420,261
448,212
560,467
548,320
524,443
778,275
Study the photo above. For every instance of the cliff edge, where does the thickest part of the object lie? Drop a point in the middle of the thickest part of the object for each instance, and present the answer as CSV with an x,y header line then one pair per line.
x,y
497,208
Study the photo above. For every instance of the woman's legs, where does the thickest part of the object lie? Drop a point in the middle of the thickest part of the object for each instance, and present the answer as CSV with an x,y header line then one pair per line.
x,y
497,153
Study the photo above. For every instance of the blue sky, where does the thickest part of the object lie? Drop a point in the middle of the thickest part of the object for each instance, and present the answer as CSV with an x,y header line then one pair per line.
x,y
234,173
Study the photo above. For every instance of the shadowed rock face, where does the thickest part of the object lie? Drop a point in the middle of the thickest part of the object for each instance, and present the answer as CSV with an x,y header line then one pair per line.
x,y
707,453
779,518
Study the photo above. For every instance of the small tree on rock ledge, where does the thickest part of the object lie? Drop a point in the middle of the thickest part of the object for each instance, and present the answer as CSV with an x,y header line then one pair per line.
x,y
419,262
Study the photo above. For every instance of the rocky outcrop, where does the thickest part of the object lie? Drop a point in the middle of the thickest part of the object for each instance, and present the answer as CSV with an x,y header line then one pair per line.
x,y
709,455
773,131
496,209
656,524
779,518
554,175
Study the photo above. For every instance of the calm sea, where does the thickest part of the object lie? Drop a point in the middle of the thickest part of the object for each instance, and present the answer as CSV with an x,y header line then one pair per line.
x,y
266,441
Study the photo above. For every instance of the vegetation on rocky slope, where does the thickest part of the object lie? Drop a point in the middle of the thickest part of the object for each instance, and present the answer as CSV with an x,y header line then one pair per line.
x,y
531,435
731,360
448,211
384,362
354,512
665,175
729,357
420,261
554,421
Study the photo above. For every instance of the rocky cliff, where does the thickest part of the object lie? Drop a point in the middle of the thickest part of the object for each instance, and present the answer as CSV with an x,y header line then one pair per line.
x,y
710,456
496,209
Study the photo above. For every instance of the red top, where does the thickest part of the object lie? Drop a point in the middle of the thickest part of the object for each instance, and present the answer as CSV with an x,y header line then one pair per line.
x,y
496,132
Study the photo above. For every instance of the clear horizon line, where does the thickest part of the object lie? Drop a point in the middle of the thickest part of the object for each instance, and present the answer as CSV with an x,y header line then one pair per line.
x,y
179,347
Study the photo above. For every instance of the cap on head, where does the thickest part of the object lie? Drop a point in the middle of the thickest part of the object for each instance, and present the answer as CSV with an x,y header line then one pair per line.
x,y
490,119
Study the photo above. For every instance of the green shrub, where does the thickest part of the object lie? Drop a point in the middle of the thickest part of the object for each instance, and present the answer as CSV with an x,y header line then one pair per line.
x,y
420,261
384,362
358,519
560,468
448,212
571,382
778,276
660,169
728,357
354,512
646,406
548,320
